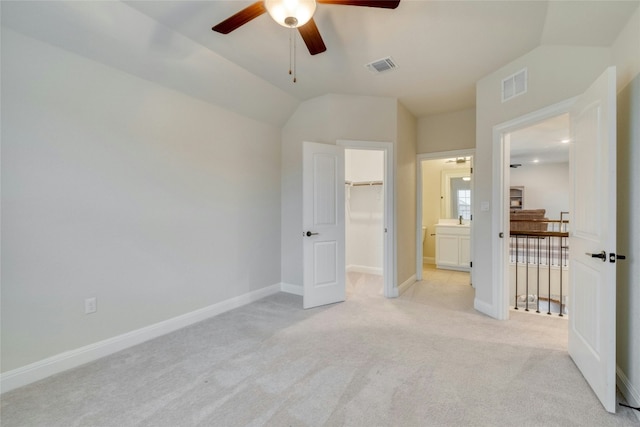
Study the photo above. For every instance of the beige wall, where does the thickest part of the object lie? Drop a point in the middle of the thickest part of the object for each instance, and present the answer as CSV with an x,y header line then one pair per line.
x,y
440,133
432,200
406,196
447,132
431,204
626,52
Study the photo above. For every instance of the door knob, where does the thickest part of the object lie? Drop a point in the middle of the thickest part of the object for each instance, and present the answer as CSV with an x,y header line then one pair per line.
x,y
309,234
613,257
602,255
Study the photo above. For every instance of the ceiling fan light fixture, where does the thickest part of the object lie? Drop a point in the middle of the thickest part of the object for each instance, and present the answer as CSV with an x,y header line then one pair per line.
x,y
291,13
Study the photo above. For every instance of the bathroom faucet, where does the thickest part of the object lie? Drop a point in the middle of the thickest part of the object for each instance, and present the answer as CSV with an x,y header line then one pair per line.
x,y
460,220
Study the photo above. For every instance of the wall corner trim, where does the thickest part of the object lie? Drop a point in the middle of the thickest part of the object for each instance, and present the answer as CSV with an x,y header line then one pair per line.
x,y
406,285
73,358
484,308
630,393
292,289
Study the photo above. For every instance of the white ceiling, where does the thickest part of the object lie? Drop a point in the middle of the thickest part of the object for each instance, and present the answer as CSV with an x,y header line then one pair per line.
x,y
542,142
441,47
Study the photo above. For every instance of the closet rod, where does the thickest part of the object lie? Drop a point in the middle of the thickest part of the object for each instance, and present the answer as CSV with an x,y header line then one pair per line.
x,y
363,183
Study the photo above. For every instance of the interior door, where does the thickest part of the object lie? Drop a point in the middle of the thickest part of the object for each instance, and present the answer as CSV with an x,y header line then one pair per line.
x,y
323,224
592,303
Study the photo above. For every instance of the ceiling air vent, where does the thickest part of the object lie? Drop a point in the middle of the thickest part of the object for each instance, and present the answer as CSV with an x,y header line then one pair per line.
x,y
381,65
514,85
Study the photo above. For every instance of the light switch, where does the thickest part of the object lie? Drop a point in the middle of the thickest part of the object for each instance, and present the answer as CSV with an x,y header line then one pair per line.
x,y
484,206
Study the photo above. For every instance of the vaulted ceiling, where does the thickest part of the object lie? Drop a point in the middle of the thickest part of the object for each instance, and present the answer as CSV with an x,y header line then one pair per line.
x,y
441,47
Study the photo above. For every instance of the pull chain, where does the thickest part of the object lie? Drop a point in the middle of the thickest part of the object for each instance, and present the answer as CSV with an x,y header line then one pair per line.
x,y
292,53
290,49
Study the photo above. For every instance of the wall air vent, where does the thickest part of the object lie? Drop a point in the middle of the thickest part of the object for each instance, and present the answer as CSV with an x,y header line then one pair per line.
x,y
381,65
514,85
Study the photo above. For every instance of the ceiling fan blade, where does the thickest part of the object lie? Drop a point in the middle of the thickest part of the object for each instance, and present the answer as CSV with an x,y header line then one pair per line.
x,y
386,4
312,37
240,18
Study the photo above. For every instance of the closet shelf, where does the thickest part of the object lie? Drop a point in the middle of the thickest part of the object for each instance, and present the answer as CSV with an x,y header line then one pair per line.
x,y
362,183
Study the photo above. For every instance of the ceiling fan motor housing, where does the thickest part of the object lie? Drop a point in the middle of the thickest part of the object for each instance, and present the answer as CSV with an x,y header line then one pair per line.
x,y
295,14
290,13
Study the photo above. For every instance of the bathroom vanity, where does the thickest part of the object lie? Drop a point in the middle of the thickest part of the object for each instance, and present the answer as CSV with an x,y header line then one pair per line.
x,y
452,245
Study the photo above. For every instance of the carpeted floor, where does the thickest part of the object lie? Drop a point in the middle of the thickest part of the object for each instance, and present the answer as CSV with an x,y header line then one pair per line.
x,y
424,359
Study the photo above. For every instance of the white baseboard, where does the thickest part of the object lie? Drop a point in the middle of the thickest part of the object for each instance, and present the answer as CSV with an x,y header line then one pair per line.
x,y
352,268
292,289
428,260
79,356
406,284
484,308
630,393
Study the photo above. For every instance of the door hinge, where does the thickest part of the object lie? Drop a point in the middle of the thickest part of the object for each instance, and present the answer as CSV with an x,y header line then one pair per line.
x,y
470,264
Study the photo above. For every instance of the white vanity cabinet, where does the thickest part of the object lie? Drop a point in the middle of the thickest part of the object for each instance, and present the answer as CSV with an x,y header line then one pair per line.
x,y
452,247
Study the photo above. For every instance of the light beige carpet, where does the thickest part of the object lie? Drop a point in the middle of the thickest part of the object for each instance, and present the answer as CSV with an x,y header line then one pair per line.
x,y
425,359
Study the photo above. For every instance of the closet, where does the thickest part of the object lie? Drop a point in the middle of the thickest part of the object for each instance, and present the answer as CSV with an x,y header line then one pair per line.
x,y
364,209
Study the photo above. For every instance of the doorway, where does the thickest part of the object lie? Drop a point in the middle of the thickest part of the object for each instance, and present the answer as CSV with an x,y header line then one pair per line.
x,y
592,282
445,199
369,215
502,193
538,205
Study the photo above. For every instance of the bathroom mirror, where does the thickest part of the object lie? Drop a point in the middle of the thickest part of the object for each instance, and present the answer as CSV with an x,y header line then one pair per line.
x,y
455,195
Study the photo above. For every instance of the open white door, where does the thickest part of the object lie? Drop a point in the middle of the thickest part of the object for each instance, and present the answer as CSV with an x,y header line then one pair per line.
x,y
592,304
323,224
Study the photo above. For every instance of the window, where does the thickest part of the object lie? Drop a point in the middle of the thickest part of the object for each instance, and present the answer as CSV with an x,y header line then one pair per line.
x,y
463,198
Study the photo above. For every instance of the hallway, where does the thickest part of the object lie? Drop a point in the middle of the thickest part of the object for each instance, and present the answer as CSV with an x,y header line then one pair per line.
x,y
443,288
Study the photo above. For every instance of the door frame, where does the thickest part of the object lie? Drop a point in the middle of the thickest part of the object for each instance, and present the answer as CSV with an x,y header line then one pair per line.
x,y
499,217
390,290
436,156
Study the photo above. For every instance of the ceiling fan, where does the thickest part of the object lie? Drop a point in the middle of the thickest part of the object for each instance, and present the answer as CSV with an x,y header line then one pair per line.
x,y
295,14
459,160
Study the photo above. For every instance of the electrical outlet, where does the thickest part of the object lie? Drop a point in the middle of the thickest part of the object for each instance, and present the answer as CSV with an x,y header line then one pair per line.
x,y
90,305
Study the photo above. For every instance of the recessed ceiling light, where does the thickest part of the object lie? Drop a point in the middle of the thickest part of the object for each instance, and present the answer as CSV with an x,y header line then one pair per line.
x,y
536,161
566,141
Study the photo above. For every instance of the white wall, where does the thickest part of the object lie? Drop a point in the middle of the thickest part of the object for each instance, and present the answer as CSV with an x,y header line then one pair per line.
x,y
154,202
364,165
628,238
555,73
626,52
116,34
546,186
